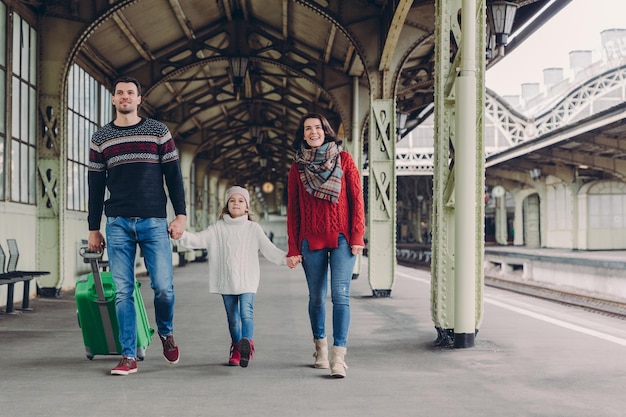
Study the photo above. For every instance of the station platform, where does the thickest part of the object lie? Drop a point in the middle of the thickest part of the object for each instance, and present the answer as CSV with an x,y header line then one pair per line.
x,y
531,358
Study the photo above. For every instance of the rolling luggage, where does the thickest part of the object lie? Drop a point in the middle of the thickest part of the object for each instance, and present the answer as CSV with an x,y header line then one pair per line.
x,y
95,307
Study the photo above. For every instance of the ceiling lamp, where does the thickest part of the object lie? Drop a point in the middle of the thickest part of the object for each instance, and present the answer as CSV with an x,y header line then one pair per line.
x,y
256,134
238,71
267,187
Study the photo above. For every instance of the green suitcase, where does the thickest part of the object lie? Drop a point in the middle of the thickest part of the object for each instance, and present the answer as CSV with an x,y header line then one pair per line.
x,y
95,307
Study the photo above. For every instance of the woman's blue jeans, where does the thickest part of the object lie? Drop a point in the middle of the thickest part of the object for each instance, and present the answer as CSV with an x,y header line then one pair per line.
x,y
240,315
123,236
316,264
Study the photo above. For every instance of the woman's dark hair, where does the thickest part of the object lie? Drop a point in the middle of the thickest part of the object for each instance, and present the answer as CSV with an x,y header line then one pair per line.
x,y
329,133
127,80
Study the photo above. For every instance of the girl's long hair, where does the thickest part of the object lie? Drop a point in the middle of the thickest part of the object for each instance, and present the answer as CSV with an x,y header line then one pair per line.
x,y
251,215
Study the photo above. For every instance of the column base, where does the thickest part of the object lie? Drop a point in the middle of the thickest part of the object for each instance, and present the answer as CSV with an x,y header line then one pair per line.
x,y
447,338
381,293
464,340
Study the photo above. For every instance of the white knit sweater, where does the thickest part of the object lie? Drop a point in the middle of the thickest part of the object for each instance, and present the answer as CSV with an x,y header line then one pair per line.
x,y
233,251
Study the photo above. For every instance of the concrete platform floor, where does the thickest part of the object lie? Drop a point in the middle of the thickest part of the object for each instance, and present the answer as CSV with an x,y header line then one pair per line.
x,y
532,358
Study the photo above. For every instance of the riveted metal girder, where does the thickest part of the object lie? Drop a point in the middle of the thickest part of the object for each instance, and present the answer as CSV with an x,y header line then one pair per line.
x,y
382,197
448,275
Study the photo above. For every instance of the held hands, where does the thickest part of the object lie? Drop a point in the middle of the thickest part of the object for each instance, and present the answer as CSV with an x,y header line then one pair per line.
x,y
293,261
177,227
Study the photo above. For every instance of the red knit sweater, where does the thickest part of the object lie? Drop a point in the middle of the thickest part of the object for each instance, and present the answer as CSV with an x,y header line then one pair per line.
x,y
320,221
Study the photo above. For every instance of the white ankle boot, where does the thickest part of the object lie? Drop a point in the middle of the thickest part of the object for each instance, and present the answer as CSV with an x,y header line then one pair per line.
x,y
321,354
337,362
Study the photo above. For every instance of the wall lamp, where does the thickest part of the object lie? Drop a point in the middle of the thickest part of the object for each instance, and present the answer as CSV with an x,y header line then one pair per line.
x,y
535,174
500,18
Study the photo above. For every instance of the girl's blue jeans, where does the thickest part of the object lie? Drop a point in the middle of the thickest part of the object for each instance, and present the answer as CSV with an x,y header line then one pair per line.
x,y
239,312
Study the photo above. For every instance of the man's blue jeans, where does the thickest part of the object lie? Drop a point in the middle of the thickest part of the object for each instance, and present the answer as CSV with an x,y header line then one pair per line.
x,y
123,235
315,264
240,315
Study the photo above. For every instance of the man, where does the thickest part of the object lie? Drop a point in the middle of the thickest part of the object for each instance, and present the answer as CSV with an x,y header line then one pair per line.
x,y
130,156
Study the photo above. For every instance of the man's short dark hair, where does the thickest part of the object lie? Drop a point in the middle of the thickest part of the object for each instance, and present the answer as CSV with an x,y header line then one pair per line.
x,y
127,80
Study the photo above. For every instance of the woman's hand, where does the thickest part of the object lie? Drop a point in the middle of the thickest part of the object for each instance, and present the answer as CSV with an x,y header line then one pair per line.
x,y
356,249
293,261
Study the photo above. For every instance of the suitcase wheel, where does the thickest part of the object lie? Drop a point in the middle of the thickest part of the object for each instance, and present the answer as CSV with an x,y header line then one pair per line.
x,y
88,353
141,353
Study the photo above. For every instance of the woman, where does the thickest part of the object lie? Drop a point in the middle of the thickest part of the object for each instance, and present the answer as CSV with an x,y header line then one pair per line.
x,y
325,227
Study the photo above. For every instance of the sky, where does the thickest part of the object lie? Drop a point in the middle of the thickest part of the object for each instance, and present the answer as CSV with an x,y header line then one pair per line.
x,y
576,27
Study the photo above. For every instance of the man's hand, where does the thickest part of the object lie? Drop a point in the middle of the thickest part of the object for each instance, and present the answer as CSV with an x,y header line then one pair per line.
x,y
95,241
177,226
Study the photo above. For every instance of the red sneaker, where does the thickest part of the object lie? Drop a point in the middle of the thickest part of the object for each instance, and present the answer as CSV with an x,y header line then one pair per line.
x,y
235,355
126,366
246,348
170,349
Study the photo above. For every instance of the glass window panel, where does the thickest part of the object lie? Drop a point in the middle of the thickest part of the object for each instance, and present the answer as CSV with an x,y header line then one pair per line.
x,y
33,57
76,173
32,119
3,127
15,103
3,28
70,87
24,109
23,172
25,52
17,42
84,112
79,139
15,170
70,133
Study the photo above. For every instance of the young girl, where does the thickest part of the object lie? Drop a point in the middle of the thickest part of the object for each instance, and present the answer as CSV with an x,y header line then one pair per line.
x,y
233,245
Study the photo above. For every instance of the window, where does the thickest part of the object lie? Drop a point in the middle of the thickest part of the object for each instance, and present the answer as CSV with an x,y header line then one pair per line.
x,y
23,112
89,108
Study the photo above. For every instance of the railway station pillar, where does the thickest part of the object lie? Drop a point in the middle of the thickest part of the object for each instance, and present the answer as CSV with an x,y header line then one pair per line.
x,y
458,180
382,197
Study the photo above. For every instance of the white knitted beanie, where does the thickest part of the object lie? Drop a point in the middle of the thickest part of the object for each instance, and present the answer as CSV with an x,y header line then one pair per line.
x,y
238,190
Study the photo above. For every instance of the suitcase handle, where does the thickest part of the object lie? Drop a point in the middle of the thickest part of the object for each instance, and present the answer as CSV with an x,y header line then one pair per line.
x,y
87,254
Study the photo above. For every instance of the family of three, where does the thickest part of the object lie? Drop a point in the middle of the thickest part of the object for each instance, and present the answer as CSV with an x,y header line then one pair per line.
x,y
132,155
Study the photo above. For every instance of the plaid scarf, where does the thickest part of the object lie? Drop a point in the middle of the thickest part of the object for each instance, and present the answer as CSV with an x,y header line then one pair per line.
x,y
320,171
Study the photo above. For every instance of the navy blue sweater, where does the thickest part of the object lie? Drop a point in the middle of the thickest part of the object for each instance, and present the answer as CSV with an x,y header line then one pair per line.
x,y
131,162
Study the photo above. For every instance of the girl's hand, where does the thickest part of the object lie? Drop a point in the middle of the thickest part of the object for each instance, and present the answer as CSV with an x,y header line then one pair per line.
x,y
293,261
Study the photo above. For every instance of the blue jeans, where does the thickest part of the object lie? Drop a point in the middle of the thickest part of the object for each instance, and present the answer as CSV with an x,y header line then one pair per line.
x,y
315,264
123,235
239,312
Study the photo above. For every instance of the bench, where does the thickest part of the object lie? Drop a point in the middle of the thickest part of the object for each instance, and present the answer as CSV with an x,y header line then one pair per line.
x,y
12,276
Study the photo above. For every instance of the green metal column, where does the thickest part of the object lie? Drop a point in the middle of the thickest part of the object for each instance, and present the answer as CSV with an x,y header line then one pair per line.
x,y
382,197
457,278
